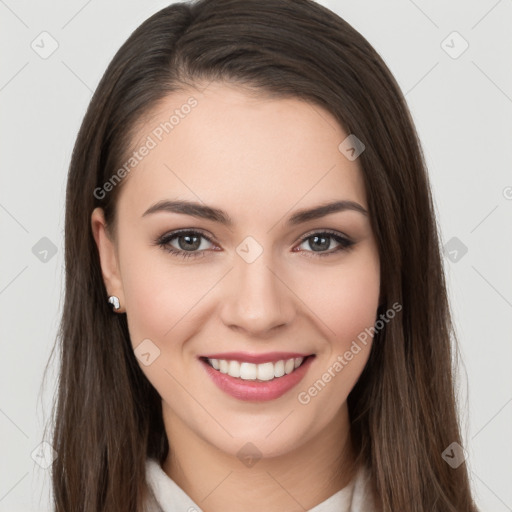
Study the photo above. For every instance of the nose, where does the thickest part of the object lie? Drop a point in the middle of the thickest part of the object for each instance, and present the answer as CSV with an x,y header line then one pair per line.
x,y
256,300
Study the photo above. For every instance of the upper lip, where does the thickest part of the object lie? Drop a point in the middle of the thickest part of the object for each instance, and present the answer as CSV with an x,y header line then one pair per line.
x,y
268,357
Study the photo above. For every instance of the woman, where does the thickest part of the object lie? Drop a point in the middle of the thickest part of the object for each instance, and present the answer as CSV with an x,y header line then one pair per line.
x,y
256,315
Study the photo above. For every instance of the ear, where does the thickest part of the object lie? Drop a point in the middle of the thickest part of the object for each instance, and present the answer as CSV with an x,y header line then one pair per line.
x,y
108,257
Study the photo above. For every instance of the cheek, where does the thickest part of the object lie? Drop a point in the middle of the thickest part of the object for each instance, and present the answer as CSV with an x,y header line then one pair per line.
x,y
345,298
346,301
149,305
160,297
158,292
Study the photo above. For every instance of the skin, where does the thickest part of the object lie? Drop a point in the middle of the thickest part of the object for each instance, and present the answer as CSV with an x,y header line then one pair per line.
x,y
260,160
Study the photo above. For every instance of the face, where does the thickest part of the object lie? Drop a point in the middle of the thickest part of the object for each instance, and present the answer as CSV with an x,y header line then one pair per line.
x,y
215,268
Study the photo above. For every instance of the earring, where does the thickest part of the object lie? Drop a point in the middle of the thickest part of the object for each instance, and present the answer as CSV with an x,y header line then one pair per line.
x,y
114,301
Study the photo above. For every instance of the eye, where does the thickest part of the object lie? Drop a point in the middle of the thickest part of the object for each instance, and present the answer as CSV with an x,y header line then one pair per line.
x,y
187,243
320,241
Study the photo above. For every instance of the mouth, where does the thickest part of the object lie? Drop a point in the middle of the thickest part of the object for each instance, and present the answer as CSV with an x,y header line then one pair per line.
x,y
258,381
262,372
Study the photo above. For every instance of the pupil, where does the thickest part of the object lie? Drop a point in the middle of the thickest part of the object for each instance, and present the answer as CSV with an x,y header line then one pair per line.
x,y
324,245
188,244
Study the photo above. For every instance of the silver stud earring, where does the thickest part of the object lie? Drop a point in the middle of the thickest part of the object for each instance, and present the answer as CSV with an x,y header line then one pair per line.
x,y
114,301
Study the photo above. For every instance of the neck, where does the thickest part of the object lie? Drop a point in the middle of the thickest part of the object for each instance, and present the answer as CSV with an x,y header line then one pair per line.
x,y
218,481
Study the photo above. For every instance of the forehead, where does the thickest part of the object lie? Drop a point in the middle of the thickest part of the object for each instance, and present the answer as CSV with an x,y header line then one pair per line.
x,y
249,153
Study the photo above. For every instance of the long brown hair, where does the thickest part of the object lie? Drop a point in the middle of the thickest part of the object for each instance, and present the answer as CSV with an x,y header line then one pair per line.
x,y
108,417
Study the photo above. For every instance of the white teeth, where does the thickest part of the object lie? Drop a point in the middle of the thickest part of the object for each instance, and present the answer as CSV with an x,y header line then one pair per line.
x,y
279,369
265,371
234,369
289,366
223,366
248,371
251,371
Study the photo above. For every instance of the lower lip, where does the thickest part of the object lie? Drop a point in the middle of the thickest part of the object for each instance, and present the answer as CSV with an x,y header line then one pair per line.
x,y
257,391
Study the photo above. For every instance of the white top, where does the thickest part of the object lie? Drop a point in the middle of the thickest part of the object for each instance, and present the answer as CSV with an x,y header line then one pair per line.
x,y
167,496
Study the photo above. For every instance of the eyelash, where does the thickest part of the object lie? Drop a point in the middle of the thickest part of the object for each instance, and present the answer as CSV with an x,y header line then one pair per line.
x,y
164,240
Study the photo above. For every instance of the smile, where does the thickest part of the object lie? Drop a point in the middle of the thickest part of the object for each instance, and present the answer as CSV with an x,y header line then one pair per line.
x,y
250,371
256,378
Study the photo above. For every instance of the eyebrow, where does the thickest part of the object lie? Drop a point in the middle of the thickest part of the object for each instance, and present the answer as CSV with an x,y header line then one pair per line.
x,y
202,211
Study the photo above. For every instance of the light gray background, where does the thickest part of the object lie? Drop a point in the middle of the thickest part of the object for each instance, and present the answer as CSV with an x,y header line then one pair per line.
x,y
462,108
